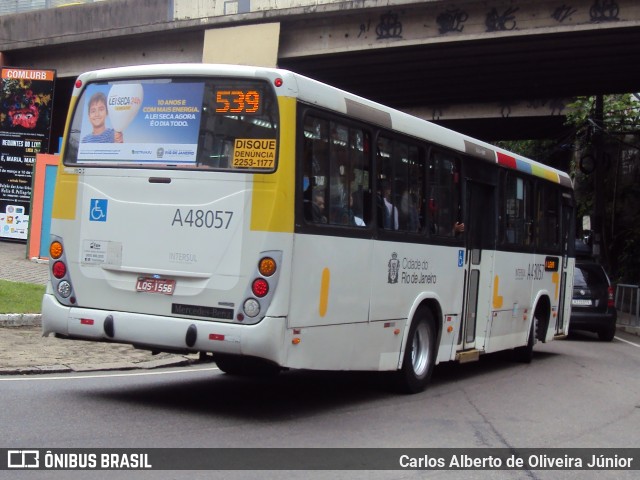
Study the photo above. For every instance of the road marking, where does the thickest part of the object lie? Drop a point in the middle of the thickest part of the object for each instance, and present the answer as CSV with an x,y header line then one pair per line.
x,y
627,341
104,375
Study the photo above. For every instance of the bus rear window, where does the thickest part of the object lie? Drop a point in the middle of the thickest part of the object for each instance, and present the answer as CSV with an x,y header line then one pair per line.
x,y
220,124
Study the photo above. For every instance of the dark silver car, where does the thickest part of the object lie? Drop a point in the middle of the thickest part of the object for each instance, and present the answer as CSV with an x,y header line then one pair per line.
x,y
592,307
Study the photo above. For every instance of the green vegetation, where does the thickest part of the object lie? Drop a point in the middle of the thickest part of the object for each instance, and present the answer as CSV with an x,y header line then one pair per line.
x,y
16,297
611,137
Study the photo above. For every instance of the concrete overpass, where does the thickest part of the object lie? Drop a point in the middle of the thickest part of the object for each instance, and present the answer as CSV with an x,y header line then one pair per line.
x,y
495,69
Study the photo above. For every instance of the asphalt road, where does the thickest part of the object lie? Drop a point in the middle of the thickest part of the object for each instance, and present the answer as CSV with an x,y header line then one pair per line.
x,y
576,393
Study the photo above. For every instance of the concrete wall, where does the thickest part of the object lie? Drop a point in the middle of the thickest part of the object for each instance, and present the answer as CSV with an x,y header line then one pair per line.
x,y
73,59
124,32
190,9
55,26
312,27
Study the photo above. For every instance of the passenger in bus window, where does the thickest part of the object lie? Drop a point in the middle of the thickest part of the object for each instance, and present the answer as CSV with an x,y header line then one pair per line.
x,y
389,212
98,117
357,209
455,231
441,220
409,212
381,211
317,206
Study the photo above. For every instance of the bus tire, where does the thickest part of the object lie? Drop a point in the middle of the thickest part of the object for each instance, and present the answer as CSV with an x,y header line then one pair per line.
x,y
525,354
419,354
245,366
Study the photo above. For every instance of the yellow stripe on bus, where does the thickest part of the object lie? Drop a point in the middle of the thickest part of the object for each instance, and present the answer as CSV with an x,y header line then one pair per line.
x,y
324,292
65,195
555,278
273,194
542,172
498,299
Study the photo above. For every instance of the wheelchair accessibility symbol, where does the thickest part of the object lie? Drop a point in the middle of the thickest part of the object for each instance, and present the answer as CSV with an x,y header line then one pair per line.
x,y
98,212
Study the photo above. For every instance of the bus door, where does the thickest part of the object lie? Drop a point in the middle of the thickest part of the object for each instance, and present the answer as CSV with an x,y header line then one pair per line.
x,y
480,237
568,234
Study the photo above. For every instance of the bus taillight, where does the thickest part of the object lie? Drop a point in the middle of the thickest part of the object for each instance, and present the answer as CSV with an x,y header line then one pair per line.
x,y
259,292
64,289
59,269
60,280
251,307
260,287
267,266
55,250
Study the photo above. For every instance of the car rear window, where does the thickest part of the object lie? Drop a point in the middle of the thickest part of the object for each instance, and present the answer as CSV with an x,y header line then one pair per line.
x,y
589,276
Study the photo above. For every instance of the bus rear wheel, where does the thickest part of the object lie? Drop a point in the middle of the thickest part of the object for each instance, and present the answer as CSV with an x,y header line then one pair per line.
x,y
245,366
419,355
525,354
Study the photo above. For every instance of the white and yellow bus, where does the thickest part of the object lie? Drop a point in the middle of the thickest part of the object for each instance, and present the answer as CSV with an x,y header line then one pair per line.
x,y
269,221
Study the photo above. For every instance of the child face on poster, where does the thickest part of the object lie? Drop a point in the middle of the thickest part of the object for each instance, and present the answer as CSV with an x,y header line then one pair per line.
x,y
98,115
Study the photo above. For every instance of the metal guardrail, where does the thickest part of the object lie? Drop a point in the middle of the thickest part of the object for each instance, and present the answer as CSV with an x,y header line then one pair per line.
x,y
627,301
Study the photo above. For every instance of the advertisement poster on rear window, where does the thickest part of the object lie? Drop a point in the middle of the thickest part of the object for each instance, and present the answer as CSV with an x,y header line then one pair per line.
x,y
26,103
140,123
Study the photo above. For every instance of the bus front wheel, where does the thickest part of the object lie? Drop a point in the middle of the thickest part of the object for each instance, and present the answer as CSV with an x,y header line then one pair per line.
x,y
419,355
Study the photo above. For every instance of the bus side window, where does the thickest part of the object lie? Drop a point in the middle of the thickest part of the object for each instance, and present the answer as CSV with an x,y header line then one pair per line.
x,y
444,200
336,175
385,202
548,218
411,199
315,169
400,196
517,211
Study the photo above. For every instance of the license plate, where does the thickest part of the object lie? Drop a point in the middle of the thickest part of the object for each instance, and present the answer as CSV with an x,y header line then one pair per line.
x,y
156,285
580,302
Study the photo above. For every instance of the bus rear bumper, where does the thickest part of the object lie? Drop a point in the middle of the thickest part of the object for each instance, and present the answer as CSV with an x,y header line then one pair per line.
x,y
263,340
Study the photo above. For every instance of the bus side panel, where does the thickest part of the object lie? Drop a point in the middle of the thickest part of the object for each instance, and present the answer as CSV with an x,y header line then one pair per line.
x,y
403,272
353,346
568,295
330,280
547,283
510,302
519,284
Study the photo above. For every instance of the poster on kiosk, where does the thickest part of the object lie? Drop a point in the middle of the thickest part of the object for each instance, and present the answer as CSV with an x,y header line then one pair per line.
x,y
26,102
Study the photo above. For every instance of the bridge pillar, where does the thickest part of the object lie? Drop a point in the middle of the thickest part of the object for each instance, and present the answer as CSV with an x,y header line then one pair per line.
x,y
244,45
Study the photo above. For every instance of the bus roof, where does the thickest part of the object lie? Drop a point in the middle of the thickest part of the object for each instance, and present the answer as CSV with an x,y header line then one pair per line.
x,y
332,98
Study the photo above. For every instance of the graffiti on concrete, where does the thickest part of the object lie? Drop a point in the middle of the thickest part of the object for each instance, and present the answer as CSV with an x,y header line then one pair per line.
x,y
563,12
604,11
364,28
555,106
452,20
551,107
389,26
437,113
498,22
